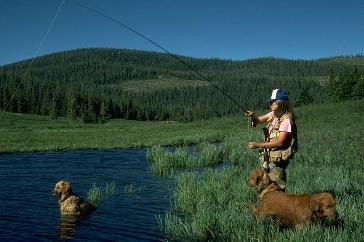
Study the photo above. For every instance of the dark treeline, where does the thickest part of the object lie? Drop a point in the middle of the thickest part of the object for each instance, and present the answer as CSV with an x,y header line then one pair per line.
x,y
76,84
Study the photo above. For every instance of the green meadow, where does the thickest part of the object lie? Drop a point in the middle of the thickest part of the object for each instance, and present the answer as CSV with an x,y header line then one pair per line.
x,y
211,201
29,133
214,204
157,84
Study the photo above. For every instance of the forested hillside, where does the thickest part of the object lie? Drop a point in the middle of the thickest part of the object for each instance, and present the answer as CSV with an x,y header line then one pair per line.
x,y
98,84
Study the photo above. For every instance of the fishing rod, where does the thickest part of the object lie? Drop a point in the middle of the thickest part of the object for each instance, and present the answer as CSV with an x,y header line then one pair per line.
x,y
118,22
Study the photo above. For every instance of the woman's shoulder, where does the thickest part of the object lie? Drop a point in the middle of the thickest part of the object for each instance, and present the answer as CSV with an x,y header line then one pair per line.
x,y
289,116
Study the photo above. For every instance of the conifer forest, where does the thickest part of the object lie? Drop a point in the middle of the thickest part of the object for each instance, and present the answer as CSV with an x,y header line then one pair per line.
x,y
96,84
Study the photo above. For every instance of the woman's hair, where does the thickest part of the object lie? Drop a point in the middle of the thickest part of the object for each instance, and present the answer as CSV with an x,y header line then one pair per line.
x,y
284,107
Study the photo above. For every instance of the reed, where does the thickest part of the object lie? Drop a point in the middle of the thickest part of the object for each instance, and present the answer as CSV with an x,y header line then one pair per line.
x,y
97,194
216,203
235,149
132,189
166,162
175,227
110,189
209,155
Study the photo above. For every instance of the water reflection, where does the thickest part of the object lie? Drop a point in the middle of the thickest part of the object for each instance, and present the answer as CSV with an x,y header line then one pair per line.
x,y
33,215
67,226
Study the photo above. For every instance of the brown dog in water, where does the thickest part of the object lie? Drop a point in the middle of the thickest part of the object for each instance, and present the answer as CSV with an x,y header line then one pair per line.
x,y
289,209
70,203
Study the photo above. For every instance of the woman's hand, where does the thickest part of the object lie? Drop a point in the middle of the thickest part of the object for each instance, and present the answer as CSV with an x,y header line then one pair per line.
x,y
253,145
249,114
282,140
253,118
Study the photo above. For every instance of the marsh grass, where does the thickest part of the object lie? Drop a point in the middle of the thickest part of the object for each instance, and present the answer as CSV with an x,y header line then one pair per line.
x,y
97,194
165,162
208,155
215,204
110,189
235,149
133,189
175,227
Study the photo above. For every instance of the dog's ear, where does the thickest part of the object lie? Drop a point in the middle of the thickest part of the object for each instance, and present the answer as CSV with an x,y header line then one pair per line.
x,y
254,178
263,180
316,204
66,187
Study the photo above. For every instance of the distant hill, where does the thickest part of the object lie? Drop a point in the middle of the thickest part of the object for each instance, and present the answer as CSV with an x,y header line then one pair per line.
x,y
115,65
157,83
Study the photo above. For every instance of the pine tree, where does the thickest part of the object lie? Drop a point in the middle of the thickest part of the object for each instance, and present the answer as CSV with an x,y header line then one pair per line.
x,y
72,108
54,112
111,109
358,89
104,116
333,85
305,97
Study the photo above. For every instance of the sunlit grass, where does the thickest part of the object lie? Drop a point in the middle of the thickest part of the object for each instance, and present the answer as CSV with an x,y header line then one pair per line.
x,y
29,133
209,155
214,205
97,194
165,162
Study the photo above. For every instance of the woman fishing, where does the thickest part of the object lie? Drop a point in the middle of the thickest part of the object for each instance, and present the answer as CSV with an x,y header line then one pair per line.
x,y
280,136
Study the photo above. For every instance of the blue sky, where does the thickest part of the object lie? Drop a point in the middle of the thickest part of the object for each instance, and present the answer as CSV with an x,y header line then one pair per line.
x,y
239,29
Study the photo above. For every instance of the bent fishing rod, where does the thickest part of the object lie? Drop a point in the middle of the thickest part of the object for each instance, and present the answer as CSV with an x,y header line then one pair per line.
x,y
118,22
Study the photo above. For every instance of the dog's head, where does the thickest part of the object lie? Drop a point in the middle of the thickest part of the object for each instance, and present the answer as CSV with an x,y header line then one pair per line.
x,y
61,188
259,178
323,205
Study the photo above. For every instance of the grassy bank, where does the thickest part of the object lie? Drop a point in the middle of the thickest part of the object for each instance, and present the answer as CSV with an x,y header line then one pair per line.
x,y
27,133
215,205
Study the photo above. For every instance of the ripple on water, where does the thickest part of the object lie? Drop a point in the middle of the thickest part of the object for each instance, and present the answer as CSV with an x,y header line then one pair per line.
x,y
29,212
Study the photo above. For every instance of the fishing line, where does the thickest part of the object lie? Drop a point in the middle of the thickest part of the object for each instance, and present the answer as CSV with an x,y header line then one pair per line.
x,y
35,54
118,22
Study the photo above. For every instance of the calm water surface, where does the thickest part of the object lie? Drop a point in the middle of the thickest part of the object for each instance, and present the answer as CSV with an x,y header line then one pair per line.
x,y
28,212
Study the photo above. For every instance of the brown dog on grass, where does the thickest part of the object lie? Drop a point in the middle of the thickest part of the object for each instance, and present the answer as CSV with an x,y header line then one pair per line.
x,y
289,209
70,203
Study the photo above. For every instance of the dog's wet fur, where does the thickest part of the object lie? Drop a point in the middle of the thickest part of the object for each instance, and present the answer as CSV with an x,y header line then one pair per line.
x,y
69,202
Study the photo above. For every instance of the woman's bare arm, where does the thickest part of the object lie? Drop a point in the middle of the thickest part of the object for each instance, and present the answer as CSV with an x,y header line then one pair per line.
x,y
258,120
282,140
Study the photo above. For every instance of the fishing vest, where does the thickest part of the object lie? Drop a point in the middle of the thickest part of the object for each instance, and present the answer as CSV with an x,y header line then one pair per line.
x,y
287,152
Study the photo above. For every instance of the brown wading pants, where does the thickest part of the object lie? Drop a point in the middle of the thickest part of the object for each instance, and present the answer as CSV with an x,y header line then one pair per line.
x,y
277,172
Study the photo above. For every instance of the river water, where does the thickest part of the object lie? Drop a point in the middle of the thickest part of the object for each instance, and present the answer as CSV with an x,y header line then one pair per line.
x,y
28,212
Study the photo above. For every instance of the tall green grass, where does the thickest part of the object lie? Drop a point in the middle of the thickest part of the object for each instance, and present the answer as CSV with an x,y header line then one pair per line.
x,y
208,155
165,162
96,194
215,205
